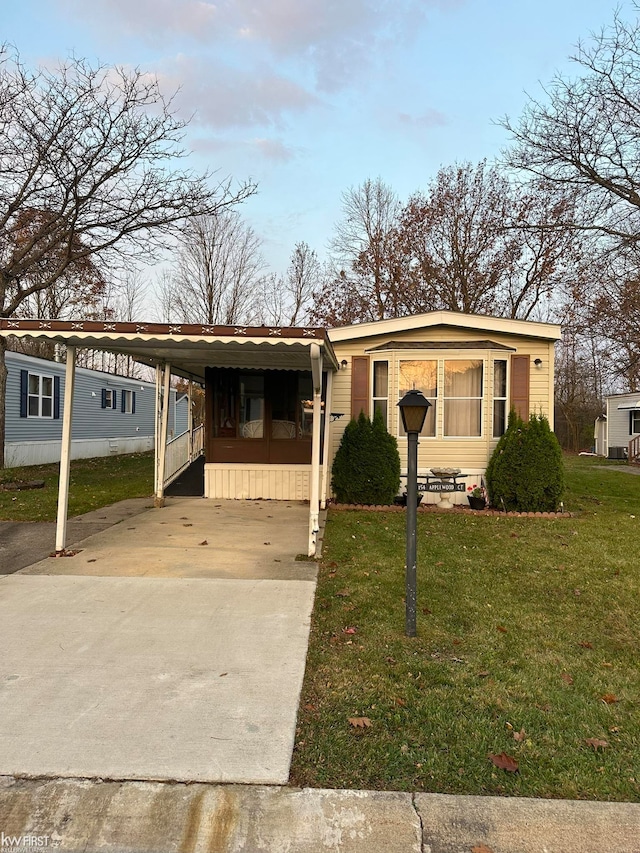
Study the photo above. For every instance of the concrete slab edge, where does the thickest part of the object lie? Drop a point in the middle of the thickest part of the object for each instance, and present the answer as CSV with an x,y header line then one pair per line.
x,y
153,817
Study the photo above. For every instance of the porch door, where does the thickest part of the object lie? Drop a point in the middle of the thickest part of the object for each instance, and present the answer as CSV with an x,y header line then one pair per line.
x,y
258,416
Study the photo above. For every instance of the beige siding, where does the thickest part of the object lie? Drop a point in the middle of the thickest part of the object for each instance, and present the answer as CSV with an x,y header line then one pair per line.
x,y
470,454
252,482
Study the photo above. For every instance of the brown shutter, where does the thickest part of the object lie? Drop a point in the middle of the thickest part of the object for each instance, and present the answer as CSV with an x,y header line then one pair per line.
x,y
520,385
359,385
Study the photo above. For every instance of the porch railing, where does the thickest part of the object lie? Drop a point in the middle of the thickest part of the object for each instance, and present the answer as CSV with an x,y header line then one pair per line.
x,y
181,451
634,449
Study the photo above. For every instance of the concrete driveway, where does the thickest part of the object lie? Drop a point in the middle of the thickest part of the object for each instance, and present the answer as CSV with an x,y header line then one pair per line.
x,y
170,647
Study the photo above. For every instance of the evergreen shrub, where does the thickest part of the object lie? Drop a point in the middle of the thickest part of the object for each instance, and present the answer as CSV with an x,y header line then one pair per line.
x,y
366,468
525,472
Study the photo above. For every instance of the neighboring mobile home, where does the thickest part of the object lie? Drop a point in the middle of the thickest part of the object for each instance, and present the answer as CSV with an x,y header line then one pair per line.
x,y
617,433
111,414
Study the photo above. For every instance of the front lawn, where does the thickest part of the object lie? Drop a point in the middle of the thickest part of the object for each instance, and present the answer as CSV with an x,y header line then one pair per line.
x,y
94,483
528,644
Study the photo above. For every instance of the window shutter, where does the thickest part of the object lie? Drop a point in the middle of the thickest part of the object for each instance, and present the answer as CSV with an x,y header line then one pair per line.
x,y
56,397
630,423
520,385
359,385
24,385
114,399
133,402
122,401
104,398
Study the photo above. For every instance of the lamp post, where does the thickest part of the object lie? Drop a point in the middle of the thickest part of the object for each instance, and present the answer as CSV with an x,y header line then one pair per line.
x,y
413,409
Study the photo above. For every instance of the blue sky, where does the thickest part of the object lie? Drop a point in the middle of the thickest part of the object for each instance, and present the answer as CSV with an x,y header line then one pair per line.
x,y
311,97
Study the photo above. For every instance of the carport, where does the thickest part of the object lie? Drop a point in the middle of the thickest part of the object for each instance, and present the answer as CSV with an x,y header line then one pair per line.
x,y
296,466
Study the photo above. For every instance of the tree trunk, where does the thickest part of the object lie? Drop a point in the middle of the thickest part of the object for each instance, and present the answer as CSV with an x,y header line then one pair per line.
x,y
3,394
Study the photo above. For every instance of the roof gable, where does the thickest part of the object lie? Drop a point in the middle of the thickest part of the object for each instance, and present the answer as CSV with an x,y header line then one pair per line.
x,y
451,319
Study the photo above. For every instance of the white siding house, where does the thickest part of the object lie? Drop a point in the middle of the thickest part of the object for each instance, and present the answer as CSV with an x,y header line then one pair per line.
x,y
622,426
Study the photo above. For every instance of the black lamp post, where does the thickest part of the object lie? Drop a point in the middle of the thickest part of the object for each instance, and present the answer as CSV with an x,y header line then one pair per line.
x,y
413,408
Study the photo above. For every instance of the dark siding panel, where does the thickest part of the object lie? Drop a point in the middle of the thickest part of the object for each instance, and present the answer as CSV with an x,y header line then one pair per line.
x,y
24,385
359,385
56,397
520,371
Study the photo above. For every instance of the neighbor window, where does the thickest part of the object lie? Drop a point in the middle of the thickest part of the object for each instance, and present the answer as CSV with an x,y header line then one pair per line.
x,y
420,376
634,423
499,398
128,402
463,397
40,396
381,389
108,398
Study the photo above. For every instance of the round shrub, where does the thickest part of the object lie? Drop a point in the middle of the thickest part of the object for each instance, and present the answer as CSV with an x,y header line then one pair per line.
x,y
366,468
525,472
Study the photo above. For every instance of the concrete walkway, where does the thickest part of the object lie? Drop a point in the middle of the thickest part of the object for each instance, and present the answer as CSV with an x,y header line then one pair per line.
x,y
170,647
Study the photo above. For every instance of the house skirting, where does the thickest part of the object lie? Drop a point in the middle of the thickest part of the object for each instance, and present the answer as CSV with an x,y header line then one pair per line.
x,y
18,453
253,481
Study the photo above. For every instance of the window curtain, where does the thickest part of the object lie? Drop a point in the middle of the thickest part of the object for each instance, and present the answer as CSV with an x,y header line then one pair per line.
x,y
420,376
463,398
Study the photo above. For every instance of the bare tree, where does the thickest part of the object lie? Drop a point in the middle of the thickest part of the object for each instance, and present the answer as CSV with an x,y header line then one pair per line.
x,y
470,248
366,278
89,154
286,300
218,270
584,132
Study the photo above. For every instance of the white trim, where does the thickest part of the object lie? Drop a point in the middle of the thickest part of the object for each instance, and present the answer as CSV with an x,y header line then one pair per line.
x,y
523,328
65,455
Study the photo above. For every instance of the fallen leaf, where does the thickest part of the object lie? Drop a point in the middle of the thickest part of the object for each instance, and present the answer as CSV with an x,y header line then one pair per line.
x,y
514,536
310,707
92,560
596,743
267,543
609,699
483,674
349,630
504,762
204,542
343,593
391,660
426,611
440,563
333,564
567,678
400,703
502,629
585,644
519,736
577,592
360,722
222,674
187,525
481,848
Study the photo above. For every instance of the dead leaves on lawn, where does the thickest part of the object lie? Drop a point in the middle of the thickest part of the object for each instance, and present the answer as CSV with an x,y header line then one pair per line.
x,y
596,743
504,762
360,722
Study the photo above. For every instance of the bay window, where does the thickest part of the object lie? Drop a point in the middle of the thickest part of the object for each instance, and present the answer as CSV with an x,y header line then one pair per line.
x,y
381,389
420,376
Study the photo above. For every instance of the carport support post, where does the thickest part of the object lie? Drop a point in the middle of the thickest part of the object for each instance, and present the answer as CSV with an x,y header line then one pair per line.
x,y
65,452
156,435
326,447
314,509
164,428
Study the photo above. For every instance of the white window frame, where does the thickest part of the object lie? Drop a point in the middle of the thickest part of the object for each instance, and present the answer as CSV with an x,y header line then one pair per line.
x,y
481,398
380,398
495,398
110,398
40,396
127,396
433,400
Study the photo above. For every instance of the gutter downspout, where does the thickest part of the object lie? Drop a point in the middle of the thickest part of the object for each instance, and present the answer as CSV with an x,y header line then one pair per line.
x,y
65,454
314,509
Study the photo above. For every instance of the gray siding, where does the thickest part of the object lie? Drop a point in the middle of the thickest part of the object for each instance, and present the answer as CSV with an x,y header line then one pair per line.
x,y
90,420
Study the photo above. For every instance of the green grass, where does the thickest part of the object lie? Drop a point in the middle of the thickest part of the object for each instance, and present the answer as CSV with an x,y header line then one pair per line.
x,y
504,605
94,483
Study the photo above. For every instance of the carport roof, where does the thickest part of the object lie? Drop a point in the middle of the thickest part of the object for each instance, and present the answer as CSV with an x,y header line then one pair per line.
x,y
189,348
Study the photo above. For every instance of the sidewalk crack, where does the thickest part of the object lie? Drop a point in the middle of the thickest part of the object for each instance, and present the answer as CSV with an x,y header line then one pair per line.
x,y
419,816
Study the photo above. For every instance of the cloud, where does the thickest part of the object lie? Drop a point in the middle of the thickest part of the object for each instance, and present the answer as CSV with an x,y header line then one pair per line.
x,y
333,40
220,95
430,118
274,150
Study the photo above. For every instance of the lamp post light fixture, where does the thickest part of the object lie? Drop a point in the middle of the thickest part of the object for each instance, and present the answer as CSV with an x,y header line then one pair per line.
x,y
413,409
